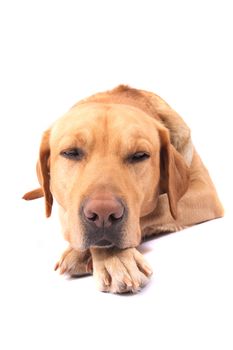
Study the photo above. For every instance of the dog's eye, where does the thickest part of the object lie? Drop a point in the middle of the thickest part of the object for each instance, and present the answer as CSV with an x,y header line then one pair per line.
x,y
138,157
73,153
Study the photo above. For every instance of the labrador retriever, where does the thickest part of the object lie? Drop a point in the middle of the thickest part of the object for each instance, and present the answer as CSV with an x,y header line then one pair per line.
x,y
122,167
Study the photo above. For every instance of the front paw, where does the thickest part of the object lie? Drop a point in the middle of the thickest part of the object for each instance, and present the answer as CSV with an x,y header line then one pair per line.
x,y
120,271
75,263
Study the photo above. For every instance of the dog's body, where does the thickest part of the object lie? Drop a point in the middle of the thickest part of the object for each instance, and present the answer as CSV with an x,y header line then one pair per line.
x,y
121,166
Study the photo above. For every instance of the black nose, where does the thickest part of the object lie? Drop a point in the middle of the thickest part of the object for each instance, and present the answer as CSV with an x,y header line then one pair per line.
x,y
103,212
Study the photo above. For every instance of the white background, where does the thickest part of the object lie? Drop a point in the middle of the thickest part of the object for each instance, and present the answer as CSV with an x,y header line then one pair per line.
x,y
54,53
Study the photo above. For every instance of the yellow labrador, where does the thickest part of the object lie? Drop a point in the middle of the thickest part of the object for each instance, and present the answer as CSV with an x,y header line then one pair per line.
x,y
121,166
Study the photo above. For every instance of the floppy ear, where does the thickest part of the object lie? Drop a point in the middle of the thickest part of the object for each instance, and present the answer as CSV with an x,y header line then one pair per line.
x,y
44,171
43,174
174,173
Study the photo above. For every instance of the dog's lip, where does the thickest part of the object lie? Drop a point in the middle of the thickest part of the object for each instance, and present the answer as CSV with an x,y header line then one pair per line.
x,y
103,243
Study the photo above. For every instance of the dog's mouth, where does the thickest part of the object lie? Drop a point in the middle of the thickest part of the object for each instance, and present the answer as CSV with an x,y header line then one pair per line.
x,y
102,240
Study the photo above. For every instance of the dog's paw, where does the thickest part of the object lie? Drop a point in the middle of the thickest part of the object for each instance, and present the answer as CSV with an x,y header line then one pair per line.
x,y
120,271
75,263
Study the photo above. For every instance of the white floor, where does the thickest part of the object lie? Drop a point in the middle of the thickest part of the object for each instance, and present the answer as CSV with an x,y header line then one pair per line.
x,y
187,304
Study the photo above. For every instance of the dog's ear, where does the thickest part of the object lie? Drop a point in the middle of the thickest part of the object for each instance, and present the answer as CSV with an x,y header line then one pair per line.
x,y
174,173
43,174
43,171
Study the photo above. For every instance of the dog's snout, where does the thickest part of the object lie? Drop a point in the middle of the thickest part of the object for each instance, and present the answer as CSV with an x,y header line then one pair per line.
x,y
103,212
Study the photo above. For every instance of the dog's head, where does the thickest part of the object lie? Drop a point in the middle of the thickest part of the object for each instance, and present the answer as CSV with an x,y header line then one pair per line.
x,y
106,164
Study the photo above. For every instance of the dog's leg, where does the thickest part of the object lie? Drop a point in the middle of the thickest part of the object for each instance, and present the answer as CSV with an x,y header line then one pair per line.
x,y
75,263
120,271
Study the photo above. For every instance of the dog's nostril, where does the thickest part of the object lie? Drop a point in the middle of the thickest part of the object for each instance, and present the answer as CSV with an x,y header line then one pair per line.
x,y
115,217
92,217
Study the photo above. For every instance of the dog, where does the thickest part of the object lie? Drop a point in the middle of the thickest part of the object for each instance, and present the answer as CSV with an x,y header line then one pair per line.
x,y
122,167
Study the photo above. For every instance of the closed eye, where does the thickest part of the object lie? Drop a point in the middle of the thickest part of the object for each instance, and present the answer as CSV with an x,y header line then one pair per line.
x,y
73,153
138,157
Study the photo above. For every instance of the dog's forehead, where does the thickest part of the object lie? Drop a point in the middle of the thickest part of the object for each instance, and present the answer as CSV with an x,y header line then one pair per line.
x,y
90,119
